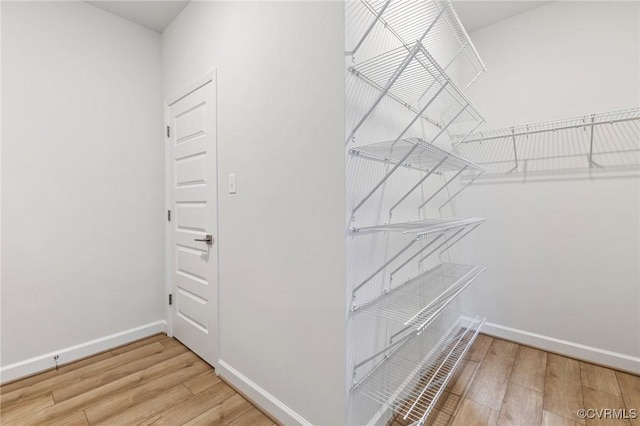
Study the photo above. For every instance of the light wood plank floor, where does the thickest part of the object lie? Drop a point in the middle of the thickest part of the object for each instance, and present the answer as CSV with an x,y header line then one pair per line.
x,y
159,381
153,381
503,383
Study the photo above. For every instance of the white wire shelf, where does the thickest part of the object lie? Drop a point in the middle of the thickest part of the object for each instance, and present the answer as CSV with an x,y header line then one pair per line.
x,y
606,141
443,233
423,228
446,39
410,75
417,154
412,377
418,301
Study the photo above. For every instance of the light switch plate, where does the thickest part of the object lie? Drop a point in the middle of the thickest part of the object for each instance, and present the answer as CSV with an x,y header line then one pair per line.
x,y
232,183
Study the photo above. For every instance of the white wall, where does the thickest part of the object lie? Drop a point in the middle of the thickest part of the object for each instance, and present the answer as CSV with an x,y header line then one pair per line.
x,y
0,185
82,182
562,255
281,237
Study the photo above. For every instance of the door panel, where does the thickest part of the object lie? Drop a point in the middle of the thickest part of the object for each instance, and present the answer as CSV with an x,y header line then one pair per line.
x,y
193,199
193,310
191,216
192,170
191,262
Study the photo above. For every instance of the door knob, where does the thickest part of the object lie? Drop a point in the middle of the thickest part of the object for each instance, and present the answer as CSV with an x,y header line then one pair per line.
x,y
207,239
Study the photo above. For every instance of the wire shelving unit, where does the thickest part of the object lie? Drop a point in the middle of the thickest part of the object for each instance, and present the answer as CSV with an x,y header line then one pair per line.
x,y
418,55
447,40
604,141
410,378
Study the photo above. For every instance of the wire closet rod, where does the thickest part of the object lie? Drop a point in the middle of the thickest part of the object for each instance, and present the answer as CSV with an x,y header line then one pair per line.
x,y
589,120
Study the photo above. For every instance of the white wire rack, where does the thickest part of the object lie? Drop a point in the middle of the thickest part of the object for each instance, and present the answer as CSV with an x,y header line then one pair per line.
x,y
415,153
444,232
411,76
414,374
427,57
417,302
423,228
605,141
447,40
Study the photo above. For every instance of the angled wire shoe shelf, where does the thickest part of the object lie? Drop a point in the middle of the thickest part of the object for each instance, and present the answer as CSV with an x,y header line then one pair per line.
x,y
604,141
417,154
443,232
411,76
423,228
447,40
410,378
418,301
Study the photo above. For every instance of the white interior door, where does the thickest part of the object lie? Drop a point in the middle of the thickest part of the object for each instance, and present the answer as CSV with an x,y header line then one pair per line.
x,y
192,180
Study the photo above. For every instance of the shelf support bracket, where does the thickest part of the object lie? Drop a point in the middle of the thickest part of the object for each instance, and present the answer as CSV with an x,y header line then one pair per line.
x,y
384,179
461,237
356,288
414,256
591,164
443,187
417,185
470,132
366,33
422,110
515,153
460,190
440,245
374,356
450,121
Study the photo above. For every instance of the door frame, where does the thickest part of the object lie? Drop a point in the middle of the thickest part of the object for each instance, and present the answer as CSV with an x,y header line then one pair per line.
x,y
211,76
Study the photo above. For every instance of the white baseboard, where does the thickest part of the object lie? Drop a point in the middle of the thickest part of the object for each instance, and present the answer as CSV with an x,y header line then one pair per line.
x,y
574,350
73,353
260,397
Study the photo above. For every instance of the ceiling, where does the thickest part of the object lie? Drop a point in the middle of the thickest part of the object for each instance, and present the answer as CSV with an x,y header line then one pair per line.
x,y
480,13
157,15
